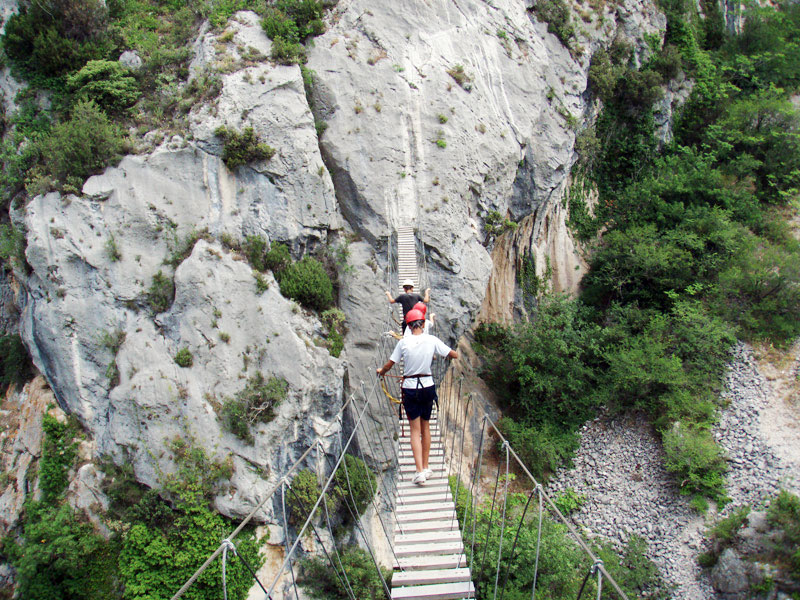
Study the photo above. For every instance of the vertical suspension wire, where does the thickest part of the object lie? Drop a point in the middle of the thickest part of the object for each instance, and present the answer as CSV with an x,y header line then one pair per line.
x,y
347,586
502,523
514,545
382,479
357,521
373,494
599,580
286,537
489,522
319,537
538,538
476,478
461,451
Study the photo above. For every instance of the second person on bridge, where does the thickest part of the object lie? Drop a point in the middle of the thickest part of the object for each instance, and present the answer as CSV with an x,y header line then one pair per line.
x,y
419,390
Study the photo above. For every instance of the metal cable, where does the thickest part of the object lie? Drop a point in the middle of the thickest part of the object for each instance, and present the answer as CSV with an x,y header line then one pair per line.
x,y
271,492
286,537
228,545
539,492
325,488
319,537
502,524
489,523
514,545
476,476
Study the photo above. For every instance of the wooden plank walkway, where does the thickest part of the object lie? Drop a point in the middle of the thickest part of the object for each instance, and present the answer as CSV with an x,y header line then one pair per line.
x,y
427,542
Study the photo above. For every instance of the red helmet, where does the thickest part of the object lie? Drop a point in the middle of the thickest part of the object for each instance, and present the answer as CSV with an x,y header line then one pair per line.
x,y
414,315
421,307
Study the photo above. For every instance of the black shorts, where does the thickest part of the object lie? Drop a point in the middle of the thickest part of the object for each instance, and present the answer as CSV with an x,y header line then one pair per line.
x,y
418,402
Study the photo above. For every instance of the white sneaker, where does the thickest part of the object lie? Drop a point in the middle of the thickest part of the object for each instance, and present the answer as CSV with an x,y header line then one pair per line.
x,y
428,473
419,478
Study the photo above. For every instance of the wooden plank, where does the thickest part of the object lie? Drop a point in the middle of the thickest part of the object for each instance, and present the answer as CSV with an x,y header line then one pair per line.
x,y
438,505
423,538
441,561
453,547
430,576
439,591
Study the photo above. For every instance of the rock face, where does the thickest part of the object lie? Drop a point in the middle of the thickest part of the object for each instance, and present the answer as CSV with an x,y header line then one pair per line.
x,y
439,115
20,447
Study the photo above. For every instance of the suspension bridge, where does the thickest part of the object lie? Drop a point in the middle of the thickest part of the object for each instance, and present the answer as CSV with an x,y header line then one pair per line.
x,y
437,540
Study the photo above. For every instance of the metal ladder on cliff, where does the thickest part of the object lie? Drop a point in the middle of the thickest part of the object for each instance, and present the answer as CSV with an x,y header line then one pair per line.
x,y
431,564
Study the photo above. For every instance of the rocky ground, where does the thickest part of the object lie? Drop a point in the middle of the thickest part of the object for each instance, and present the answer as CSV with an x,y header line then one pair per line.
x,y
619,468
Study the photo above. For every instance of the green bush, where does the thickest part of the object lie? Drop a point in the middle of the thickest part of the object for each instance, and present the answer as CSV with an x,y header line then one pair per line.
x,y
59,449
287,53
305,491
47,40
184,358
322,581
307,282
165,544
242,148
15,363
696,461
543,448
256,403
277,259
333,319
294,20
277,24
556,14
60,556
352,488
161,292
784,515
81,146
108,83
12,247
255,248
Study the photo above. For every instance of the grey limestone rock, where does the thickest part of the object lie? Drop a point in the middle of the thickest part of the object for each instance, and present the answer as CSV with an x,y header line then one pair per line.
x,y
131,59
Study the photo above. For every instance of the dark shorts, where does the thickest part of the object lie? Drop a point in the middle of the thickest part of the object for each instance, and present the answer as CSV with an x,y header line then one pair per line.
x,y
419,402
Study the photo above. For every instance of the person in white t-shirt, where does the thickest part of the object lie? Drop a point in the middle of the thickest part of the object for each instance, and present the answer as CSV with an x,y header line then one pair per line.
x,y
420,306
419,391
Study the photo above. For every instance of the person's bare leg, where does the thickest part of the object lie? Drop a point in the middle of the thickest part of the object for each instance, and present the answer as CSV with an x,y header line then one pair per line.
x,y
416,442
425,442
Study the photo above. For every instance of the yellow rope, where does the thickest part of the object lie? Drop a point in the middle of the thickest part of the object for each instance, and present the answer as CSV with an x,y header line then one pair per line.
x,y
388,395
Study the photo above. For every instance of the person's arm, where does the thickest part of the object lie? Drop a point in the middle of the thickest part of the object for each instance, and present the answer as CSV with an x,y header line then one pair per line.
x,y
427,297
389,296
385,368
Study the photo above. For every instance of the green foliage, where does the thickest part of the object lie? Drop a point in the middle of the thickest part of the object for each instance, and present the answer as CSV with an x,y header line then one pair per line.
x,y
569,501
161,293
288,23
15,363
305,491
59,449
182,249
255,248
112,250
242,148
334,319
46,40
543,448
353,487
12,247
317,578
59,556
256,403
184,358
307,282
556,14
543,368
459,74
784,515
81,146
108,83
277,259
696,460
562,564
496,224
726,529
165,545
